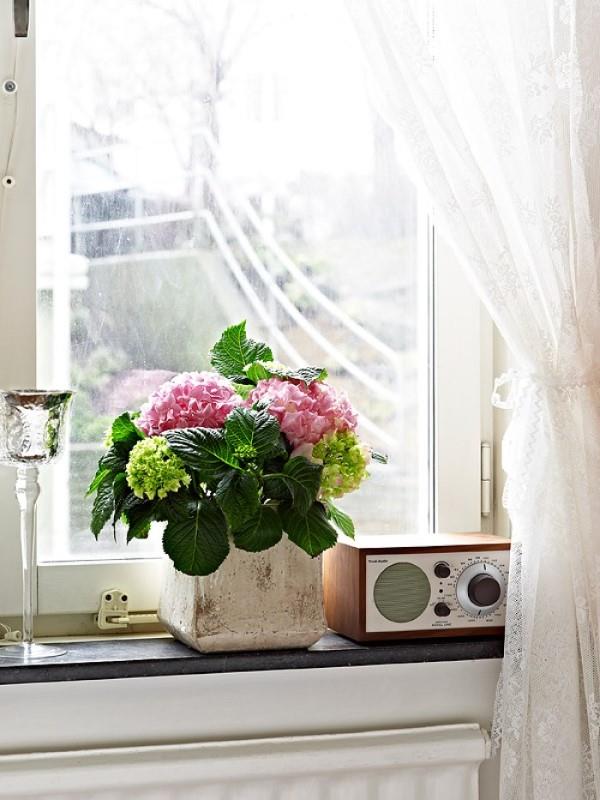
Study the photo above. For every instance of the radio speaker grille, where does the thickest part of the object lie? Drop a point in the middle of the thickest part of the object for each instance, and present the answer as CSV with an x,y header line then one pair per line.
x,y
401,592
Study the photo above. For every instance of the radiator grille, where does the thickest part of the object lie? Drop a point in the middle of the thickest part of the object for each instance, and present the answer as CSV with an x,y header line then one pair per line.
x,y
438,763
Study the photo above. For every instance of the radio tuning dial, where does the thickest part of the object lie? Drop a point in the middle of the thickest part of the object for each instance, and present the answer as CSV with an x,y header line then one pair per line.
x,y
484,590
480,589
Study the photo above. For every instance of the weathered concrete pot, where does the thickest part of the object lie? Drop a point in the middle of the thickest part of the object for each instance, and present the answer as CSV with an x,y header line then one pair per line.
x,y
254,601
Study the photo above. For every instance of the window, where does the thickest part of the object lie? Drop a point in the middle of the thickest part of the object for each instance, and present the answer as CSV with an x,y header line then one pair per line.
x,y
198,164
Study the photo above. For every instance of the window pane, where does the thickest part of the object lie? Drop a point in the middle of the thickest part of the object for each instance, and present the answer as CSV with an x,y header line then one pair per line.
x,y
206,162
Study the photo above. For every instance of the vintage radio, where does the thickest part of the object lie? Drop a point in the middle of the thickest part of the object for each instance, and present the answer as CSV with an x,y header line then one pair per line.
x,y
403,587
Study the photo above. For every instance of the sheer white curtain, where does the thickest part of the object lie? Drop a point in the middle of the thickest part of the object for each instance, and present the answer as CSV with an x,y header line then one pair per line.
x,y
498,107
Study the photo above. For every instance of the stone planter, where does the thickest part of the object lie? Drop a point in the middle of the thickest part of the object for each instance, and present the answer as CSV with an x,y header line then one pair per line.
x,y
254,601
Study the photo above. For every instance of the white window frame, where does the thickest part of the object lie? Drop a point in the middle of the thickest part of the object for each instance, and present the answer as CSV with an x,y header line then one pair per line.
x,y
461,353
463,371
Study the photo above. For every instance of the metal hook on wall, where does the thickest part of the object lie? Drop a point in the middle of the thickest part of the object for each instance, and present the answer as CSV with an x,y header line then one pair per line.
x,y
21,17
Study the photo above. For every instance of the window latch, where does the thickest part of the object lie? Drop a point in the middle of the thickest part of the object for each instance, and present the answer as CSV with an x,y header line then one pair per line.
x,y
113,612
21,18
486,479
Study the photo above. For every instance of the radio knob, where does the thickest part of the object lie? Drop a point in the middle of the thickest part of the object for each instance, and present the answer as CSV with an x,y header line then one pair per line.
x,y
441,610
484,590
441,570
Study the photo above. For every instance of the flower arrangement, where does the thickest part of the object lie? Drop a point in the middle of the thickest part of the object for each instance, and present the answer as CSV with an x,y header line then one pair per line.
x,y
238,457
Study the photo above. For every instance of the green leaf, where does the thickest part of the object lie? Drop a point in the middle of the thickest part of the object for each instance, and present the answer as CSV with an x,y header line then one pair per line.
x,y
281,449
120,492
238,498
124,436
252,434
131,505
311,531
102,474
303,479
103,507
197,542
123,430
175,506
275,488
115,459
306,374
340,519
259,372
260,532
139,521
234,351
204,449
139,529
279,455
243,389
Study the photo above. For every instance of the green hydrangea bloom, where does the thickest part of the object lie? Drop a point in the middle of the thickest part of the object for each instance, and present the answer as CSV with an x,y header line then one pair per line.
x,y
345,462
154,470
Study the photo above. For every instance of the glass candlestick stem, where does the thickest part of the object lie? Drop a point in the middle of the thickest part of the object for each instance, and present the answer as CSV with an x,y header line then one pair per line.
x,y
28,490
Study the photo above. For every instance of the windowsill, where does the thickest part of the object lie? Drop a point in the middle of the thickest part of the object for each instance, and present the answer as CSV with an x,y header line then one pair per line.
x,y
161,656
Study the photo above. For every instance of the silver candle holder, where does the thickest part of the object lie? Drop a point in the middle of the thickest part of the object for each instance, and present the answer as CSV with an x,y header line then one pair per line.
x,y
32,433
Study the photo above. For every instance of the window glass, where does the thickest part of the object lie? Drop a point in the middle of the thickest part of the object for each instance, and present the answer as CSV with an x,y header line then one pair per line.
x,y
205,162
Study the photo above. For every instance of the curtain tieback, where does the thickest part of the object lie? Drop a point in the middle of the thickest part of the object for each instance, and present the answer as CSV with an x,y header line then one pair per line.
x,y
513,377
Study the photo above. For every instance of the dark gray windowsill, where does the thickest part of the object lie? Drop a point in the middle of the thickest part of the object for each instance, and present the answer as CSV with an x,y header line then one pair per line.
x,y
136,658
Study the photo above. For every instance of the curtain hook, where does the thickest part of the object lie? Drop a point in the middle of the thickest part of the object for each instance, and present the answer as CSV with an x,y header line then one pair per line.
x,y
21,18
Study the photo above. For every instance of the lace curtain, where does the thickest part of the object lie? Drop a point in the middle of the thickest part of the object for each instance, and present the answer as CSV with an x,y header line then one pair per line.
x,y
497,105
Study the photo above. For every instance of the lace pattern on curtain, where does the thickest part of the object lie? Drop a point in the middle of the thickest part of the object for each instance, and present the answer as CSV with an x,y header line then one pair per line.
x,y
500,120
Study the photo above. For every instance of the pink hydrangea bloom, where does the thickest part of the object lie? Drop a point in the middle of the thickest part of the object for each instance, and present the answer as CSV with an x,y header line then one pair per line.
x,y
305,413
189,400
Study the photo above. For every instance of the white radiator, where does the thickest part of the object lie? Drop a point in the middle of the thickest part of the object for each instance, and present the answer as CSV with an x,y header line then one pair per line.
x,y
439,763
